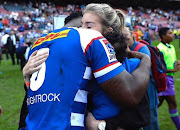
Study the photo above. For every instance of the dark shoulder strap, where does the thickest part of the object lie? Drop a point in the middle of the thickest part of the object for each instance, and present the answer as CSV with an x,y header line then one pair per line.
x,y
144,42
139,45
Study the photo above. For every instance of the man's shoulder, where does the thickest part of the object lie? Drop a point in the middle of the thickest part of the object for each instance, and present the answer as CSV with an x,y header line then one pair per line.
x,y
59,30
85,33
88,36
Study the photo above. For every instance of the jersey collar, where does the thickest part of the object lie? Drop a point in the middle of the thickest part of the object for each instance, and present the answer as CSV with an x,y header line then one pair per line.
x,y
166,44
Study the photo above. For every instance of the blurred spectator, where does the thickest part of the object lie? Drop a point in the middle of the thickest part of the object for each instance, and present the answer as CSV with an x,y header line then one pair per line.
x,y
21,51
29,45
1,26
11,43
175,32
5,21
1,57
179,33
17,45
130,9
21,28
4,42
147,36
136,33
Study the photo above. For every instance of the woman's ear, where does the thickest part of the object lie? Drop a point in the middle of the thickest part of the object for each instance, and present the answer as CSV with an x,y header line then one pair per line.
x,y
108,30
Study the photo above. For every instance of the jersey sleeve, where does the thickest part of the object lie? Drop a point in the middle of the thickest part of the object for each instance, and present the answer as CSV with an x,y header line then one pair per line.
x,y
145,50
133,64
103,60
101,56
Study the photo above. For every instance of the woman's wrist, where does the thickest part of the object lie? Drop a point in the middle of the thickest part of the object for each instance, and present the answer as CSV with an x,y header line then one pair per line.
x,y
27,77
27,80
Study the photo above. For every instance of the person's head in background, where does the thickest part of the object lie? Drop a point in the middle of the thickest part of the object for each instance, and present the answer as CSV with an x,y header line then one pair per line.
x,y
45,31
147,30
166,34
73,20
145,37
103,18
137,33
12,32
136,28
129,34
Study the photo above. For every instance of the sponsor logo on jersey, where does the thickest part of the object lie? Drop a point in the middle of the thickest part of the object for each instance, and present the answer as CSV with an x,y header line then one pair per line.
x,y
109,50
50,37
51,97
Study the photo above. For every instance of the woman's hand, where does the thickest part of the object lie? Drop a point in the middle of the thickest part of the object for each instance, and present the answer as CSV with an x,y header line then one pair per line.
x,y
91,122
34,62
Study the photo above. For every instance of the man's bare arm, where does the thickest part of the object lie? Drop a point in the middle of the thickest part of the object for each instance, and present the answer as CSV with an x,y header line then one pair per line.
x,y
128,89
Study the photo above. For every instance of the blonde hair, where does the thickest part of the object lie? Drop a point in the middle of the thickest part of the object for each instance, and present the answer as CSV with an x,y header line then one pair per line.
x,y
110,17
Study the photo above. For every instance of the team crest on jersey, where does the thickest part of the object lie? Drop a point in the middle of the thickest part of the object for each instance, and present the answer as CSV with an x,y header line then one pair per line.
x,y
50,37
109,49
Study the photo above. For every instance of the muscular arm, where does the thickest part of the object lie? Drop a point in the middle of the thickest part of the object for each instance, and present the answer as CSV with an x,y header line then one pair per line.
x,y
128,89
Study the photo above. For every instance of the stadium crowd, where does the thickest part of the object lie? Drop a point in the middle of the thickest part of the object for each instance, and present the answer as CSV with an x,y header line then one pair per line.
x,y
28,21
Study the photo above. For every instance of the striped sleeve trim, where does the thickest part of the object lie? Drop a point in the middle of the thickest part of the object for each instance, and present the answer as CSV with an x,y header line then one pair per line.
x,y
106,69
81,96
88,73
77,119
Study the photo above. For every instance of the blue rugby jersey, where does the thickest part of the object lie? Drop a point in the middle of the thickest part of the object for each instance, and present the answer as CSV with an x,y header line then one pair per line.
x,y
57,96
104,107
